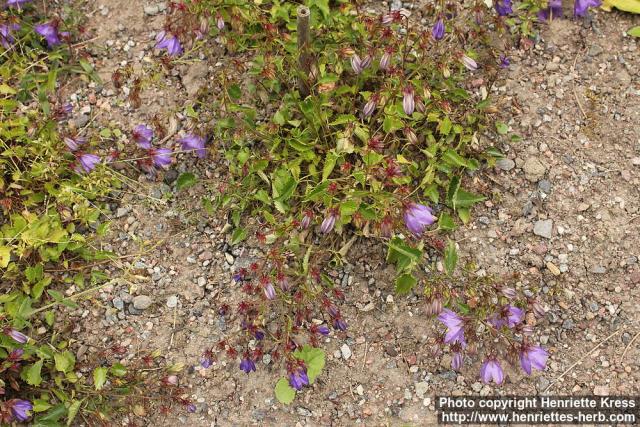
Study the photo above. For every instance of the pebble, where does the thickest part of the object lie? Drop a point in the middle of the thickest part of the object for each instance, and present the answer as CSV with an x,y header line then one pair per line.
x,y
118,303
533,169
421,388
345,351
505,164
172,301
543,228
544,186
601,390
142,302
151,10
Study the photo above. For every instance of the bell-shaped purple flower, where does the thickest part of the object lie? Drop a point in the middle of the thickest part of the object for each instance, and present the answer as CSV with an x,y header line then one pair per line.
x,y
417,217
87,162
456,361
385,60
247,365
161,156
533,356
339,324
142,134
469,63
170,42
408,102
206,362
437,32
298,378
370,106
195,143
74,143
6,38
16,335
508,316
323,329
504,61
328,223
17,3
356,64
491,371
269,290
553,10
306,220
20,409
454,324
191,408
580,7
50,33
503,7
220,23
366,61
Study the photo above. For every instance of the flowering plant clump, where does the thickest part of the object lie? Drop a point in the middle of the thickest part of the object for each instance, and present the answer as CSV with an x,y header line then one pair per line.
x,y
52,190
382,147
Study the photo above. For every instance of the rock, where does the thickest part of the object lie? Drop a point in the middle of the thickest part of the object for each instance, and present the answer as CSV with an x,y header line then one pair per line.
x,y
505,164
601,390
553,269
118,303
172,301
170,176
81,121
544,186
142,302
229,258
391,351
533,169
345,351
120,212
360,390
421,388
151,10
598,269
635,161
543,228
195,78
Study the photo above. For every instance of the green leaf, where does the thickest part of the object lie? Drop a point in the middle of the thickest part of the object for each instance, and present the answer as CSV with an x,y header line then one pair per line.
x,y
392,124
284,392
349,207
238,235
450,257
314,359
100,377
234,92
73,411
185,180
445,222
32,373
402,255
65,361
454,186
502,128
404,283
5,256
118,369
464,199
329,164
634,32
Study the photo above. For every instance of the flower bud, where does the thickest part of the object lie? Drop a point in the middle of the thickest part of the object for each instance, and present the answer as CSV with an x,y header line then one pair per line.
x,y
410,135
408,103
356,64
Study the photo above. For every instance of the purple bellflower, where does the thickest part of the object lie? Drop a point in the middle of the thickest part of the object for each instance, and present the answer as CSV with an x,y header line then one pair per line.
x,y
456,361
437,32
50,33
16,335
269,290
385,60
580,7
503,7
328,223
533,356
20,409
356,64
195,143
142,134
6,39
206,362
247,365
16,3
491,370
455,326
86,162
339,324
408,102
299,378
170,42
74,143
417,217
469,63
553,10
161,156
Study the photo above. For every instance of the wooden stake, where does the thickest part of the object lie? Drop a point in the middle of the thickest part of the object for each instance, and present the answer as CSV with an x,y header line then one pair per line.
x,y
304,58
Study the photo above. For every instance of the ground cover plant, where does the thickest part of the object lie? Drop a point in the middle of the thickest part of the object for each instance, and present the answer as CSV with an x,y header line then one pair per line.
x,y
384,146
